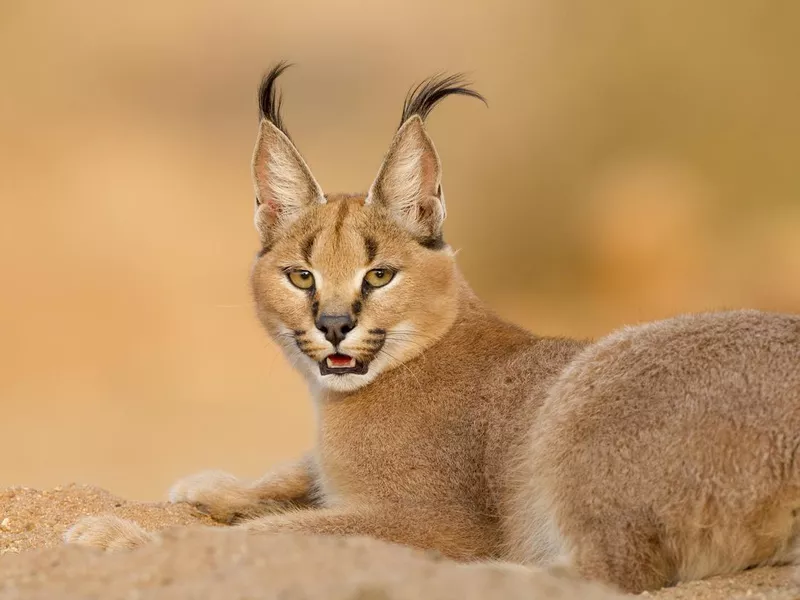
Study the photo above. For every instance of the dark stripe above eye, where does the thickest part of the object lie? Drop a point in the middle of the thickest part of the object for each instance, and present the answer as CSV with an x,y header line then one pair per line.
x,y
308,246
372,248
340,216
433,243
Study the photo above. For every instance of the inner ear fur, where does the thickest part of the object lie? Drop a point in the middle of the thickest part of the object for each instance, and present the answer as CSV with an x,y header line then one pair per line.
x,y
284,185
408,184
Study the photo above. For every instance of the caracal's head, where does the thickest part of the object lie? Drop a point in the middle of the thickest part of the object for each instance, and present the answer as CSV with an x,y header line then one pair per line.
x,y
352,285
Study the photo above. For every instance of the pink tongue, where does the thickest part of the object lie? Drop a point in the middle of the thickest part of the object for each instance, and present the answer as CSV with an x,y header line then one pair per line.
x,y
339,360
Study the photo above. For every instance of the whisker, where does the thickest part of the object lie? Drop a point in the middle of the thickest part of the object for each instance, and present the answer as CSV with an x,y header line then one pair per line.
x,y
408,341
401,363
413,334
363,349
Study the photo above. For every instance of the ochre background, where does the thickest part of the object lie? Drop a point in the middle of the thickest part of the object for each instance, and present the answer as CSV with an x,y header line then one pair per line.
x,y
638,159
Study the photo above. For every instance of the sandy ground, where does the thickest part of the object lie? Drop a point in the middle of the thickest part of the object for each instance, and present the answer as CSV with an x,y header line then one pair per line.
x,y
193,562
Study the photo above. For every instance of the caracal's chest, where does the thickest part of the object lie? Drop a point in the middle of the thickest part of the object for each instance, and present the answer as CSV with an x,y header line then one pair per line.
x,y
394,446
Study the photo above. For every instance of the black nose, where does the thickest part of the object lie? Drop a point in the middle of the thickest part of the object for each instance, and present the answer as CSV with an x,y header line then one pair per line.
x,y
335,327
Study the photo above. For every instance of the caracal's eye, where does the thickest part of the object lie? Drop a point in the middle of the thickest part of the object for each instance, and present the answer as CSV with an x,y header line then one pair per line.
x,y
302,279
379,277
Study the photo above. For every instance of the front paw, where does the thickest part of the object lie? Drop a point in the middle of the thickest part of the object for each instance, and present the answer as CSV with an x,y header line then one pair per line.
x,y
107,532
220,495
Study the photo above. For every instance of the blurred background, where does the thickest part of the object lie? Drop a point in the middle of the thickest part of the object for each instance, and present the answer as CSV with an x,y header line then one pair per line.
x,y
638,159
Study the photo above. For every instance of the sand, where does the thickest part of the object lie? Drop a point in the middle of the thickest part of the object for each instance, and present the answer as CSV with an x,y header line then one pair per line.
x,y
197,562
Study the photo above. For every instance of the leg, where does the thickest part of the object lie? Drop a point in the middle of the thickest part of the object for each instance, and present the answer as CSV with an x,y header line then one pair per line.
x,y
324,521
108,532
420,529
628,558
114,533
227,499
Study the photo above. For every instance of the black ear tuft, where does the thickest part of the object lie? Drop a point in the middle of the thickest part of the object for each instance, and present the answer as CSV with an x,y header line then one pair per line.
x,y
269,98
422,98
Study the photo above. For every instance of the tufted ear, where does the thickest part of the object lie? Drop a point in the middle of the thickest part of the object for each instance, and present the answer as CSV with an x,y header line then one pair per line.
x,y
283,182
408,184
284,185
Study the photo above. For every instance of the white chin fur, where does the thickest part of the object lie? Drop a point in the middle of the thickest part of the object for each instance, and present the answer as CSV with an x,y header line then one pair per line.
x,y
345,383
337,383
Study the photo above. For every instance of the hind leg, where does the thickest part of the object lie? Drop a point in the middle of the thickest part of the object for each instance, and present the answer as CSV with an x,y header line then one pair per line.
x,y
629,558
785,531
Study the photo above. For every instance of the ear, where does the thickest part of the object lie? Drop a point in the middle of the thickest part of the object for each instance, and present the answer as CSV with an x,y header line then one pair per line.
x,y
409,182
283,183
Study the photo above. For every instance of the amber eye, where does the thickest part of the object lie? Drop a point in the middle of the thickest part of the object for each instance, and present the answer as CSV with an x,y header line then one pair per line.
x,y
379,277
301,279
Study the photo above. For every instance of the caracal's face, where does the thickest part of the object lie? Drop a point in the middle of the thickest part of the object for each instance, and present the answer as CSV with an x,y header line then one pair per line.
x,y
349,294
353,286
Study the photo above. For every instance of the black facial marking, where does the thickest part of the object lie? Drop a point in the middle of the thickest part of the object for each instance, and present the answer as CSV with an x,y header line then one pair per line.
x,y
263,251
376,342
340,217
299,332
365,290
421,99
308,246
269,99
357,306
315,308
433,243
372,248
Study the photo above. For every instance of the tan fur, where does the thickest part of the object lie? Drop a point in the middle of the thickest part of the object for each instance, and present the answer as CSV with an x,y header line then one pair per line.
x,y
672,446
661,453
227,499
107,532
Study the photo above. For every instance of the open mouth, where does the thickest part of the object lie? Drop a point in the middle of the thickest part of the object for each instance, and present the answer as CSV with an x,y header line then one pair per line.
x,y
341,364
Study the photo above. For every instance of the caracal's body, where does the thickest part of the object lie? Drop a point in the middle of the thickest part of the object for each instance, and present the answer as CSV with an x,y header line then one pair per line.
x,y
663,452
